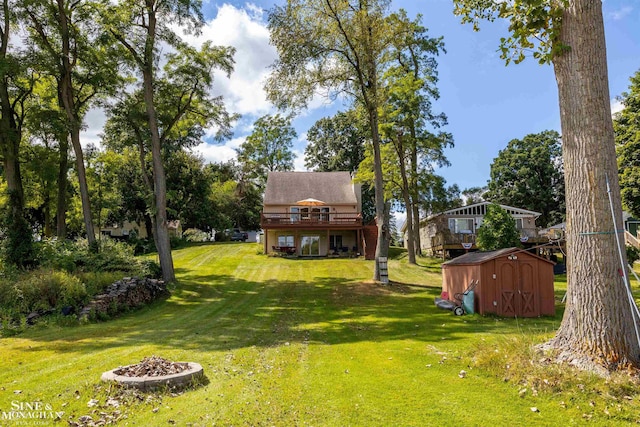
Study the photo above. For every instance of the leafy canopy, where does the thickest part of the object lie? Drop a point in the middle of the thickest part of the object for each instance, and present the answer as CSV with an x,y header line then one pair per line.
x,y
268,148
534,25
529,174
498,230
627,129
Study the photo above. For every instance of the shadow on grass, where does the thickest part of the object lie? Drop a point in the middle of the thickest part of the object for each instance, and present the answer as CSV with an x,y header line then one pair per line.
x,y
220,312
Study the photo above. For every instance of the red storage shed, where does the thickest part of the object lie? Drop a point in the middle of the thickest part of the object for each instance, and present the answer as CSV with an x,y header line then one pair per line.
x,y
511,282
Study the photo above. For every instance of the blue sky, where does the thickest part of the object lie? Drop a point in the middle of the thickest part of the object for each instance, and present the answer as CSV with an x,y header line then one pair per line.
x,y
487,103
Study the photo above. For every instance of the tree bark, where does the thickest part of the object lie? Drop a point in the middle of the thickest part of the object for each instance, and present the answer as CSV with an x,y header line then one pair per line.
x,y
68,103
597,329
400,151
61,206
161,237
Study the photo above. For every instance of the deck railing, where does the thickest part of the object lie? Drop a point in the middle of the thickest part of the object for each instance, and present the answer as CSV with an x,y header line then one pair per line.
x,y
276,219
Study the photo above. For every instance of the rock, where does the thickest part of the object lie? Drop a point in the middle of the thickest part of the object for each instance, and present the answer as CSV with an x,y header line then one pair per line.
x,y
32,317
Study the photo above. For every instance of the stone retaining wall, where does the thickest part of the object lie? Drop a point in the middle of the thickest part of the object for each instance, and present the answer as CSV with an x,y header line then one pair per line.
x,y
129,292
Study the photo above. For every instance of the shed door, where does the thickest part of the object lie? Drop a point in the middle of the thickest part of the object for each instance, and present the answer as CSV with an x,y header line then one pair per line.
x,y
517,285
507,287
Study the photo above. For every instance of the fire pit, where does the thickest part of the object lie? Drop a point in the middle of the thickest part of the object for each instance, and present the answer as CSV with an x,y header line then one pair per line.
x,y
155,372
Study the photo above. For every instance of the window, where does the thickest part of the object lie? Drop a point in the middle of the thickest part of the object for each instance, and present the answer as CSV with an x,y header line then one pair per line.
x,y
295,214
310,245
518,223
461,225
286,241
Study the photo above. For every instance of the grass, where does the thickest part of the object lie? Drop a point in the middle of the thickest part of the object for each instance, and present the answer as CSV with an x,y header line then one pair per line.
x,y
309,342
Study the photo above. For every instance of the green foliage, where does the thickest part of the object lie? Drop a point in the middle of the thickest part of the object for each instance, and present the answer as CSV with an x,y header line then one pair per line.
x,y
633,254
46,289
534,25
195,235
626,124
17,246
268,148
72,257
336,143
529,174
498,230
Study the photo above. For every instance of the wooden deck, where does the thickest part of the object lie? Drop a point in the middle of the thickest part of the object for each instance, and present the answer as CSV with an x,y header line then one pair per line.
x,y
287,220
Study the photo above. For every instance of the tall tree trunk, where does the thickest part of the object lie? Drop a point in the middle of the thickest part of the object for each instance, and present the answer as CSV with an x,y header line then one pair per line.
x,y
61,206
415,195
68,103
400,151
160,226
597,328
162,240
417,242
382,245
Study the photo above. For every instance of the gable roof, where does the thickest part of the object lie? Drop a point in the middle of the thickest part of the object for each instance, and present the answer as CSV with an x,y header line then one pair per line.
x,y
482,257
286,188
478,209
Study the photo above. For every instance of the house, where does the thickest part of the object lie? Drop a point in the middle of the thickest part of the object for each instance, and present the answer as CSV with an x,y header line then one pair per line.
x,y
313,214
511,282
453,232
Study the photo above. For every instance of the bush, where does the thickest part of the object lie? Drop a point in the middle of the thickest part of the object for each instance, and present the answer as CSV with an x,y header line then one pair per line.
x,y
195,235
633,254
111,255
498,230
47,289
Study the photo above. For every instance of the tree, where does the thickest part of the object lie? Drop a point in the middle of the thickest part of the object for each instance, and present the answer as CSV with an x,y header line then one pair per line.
x,y
474,195
528,174
337,46
69,45
336,143
268,148
139,26
627,128
498,230
407,119
597,329
16,87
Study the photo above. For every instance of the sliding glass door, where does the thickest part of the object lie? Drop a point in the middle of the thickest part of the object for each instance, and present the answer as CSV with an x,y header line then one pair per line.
x,y
310,246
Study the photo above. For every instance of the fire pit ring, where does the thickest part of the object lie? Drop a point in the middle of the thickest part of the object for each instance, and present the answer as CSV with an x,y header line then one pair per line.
x,y
192,373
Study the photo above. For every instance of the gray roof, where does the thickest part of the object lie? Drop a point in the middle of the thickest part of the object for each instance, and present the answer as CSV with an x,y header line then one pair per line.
x,y
286,188
482,257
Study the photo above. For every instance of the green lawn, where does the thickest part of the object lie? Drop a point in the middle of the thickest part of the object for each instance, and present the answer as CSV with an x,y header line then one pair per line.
x,y
291,342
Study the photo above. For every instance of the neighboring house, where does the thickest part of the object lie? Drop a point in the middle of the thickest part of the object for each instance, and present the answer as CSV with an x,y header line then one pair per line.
x,y
313,214
453,232
125,229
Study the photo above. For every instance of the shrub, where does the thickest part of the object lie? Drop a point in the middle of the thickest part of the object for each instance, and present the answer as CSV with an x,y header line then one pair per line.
x,y
498,230
633,254
46,289
111,255
195,235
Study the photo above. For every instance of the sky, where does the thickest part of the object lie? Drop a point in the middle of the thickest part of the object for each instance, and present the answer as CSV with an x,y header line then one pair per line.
x,y
487,103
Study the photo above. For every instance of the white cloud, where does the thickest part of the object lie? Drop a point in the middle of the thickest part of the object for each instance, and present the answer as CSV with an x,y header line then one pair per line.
x,y
616,106
216,153
621,13
298,161
245,30
94,121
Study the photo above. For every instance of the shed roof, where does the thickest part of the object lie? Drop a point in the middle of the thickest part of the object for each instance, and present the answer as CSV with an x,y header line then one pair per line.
x,y
481,257
332,188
